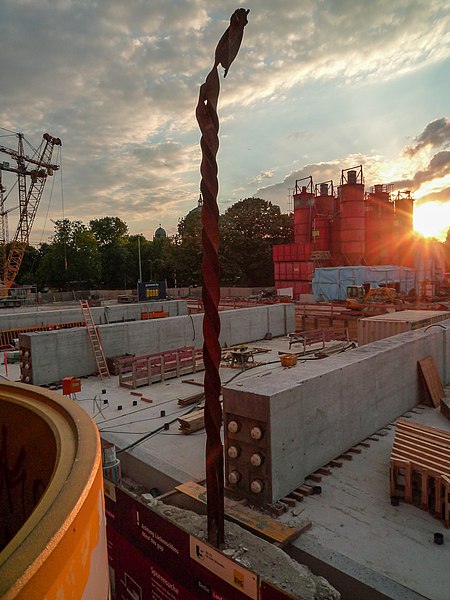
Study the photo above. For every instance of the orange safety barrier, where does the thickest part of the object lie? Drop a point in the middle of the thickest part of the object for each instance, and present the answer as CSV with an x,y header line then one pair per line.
x,y
154,314
8,335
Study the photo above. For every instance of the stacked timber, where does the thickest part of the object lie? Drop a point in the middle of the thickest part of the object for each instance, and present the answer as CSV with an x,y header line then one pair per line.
x,y
193,421
420,467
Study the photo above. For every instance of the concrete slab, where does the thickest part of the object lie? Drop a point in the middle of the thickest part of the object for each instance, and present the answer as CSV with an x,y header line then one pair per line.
x,y
356,530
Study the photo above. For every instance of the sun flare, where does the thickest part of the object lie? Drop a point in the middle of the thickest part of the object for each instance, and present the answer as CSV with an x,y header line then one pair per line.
x,y
432,219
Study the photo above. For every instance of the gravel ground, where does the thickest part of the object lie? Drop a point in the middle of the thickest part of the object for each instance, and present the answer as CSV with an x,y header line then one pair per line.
x,y
261,557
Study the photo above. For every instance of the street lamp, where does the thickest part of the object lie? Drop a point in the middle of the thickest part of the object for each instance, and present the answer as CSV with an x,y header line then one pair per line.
x,y
139,255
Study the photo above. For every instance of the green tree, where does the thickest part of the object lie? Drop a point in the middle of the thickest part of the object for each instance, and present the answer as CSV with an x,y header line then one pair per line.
x,y
111,236
108,230
249,229
72,257
187,250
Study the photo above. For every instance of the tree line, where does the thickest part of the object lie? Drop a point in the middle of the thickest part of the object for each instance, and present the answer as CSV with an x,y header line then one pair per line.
x,y
104,255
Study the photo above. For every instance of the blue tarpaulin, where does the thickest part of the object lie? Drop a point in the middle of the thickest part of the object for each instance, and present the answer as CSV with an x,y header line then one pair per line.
x,y
330,283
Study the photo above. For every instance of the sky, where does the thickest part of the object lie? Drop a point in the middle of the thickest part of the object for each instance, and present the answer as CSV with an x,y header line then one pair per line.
x,y
318,86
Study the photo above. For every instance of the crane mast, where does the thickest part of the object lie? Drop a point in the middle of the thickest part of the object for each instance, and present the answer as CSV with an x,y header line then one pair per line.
x,y
37,170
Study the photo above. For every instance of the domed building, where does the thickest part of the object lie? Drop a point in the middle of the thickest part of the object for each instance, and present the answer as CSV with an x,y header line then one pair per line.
x,y
160,233
198,208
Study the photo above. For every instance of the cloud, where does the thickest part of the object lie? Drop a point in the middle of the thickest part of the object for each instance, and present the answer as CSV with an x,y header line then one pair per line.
x,y
435,134
438,167
321,172
442,195
118,83
262,176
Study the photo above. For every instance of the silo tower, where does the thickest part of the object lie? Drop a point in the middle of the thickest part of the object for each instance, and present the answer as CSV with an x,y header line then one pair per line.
x,y
351,216
303,210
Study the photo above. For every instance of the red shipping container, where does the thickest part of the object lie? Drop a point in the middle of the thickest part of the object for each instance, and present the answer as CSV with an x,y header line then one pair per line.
x,y
289,271
307,250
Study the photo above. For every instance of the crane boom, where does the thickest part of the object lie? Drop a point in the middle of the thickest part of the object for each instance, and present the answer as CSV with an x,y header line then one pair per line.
x,y
28,200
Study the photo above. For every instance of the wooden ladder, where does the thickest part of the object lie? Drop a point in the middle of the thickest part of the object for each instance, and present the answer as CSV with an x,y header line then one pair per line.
x,y
94,339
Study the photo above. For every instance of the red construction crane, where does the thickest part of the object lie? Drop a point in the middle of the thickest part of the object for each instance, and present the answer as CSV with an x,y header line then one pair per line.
x,y
32,173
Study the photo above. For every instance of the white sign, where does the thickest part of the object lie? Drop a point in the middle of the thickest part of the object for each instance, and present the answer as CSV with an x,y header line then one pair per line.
x,y
231,572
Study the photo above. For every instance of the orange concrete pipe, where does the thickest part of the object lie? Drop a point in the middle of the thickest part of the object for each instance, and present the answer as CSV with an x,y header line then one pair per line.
x,y
53,535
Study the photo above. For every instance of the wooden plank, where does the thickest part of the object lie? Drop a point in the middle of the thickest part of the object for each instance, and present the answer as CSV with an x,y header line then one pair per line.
x,y
324,471
289,501
437,463
433,384
429,450
355,450
315,477
297,496
336,463
192,382
434,433
258,523
191,399
425,442
192,422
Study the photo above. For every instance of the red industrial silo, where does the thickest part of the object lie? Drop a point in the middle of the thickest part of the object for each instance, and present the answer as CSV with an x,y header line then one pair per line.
x,y
352,216
403,226
303,210
380,233
322,215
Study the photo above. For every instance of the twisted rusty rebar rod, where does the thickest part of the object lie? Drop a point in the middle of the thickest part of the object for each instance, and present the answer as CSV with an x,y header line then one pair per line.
x,y
208,121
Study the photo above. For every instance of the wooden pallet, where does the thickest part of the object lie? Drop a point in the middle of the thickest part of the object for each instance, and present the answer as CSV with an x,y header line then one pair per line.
x,y
420,467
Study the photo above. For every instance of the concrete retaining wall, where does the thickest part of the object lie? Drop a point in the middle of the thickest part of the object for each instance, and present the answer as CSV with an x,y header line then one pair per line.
x,y
318,410
65,353
101,315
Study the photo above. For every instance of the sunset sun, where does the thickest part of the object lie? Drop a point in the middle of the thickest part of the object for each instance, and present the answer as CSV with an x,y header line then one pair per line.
x,y
432,219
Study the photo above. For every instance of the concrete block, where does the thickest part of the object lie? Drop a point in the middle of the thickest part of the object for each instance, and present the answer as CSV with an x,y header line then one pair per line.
x,y
101,315
315,412
67,352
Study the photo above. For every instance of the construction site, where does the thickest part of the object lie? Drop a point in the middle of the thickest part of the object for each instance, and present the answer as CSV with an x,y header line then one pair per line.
x,y
332,417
